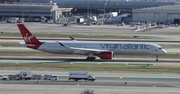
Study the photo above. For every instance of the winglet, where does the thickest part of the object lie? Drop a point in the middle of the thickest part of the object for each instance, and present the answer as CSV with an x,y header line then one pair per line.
x,y
71,38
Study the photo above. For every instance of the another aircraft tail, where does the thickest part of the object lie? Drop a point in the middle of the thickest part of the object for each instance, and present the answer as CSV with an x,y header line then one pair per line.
x,y
27,35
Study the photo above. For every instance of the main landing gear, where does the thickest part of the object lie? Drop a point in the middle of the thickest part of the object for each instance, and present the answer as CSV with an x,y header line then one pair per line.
x,y
90,57
157,58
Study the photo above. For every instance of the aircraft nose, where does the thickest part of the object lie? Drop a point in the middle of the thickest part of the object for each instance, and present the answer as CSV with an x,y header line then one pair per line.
x,y
164,51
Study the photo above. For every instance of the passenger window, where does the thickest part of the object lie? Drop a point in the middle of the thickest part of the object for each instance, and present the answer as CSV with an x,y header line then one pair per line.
x,y
160,48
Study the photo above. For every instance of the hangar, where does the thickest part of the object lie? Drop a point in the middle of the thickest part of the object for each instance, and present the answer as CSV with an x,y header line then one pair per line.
x,y
163,14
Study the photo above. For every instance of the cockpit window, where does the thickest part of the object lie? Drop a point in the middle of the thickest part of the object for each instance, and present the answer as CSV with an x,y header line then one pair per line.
x,y
160,48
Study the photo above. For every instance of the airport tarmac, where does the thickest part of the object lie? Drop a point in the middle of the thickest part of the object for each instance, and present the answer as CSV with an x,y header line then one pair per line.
x,y
107,82
94,29
78,89
81,60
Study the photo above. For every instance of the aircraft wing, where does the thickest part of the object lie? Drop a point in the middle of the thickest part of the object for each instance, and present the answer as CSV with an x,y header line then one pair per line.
x,y
85,49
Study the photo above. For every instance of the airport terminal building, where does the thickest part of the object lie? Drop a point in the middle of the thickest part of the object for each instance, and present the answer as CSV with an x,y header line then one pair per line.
x,y
31,11
163,14
101,6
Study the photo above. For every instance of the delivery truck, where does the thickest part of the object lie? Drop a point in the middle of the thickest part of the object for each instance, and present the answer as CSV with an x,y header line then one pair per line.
x,y
26,75
75,76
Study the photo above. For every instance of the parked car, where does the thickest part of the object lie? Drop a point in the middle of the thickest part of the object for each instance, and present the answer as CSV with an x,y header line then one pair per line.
x,y
2,77
53,78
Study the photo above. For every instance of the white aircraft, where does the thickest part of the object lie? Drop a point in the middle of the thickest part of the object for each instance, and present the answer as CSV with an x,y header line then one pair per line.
x,y
104,50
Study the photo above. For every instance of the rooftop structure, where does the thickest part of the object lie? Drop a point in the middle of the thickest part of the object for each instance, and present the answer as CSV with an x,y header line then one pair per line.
x,y
108,4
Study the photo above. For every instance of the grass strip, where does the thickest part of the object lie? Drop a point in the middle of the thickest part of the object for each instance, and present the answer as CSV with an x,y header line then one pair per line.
x,y
74,35
94,67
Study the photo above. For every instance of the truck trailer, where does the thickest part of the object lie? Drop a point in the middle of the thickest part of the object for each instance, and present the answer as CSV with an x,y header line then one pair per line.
x,y
75,76
26,75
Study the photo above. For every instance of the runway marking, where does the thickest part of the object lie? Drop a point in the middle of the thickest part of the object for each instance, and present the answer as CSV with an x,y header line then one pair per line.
x,y
120,77
16,62
71,63
77,84
99,63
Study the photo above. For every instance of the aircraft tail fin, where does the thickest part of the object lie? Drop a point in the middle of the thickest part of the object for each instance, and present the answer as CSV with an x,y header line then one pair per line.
x,y
27,35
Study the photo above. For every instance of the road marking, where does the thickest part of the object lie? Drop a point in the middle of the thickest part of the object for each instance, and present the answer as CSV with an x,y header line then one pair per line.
x,y
104,72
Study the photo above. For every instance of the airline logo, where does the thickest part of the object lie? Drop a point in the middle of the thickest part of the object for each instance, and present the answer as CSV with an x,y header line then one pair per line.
x,y
24,74
125,46
28,38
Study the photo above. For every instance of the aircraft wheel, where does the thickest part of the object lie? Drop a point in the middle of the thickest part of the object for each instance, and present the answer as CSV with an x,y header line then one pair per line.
x,y
90,58
156,58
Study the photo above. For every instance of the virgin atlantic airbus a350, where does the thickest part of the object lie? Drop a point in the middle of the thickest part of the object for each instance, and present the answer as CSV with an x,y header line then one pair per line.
x,y
104,50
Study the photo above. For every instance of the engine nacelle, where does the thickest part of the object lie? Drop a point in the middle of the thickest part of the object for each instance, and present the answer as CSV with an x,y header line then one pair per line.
x,y
106,55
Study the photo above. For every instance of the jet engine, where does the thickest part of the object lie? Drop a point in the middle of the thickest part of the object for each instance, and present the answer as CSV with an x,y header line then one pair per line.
x,y
106,55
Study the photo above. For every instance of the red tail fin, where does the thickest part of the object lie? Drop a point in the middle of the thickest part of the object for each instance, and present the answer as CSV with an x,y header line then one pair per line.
x,y
27,35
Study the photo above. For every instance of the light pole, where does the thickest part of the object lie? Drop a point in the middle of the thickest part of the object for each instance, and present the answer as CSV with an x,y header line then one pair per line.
x,y
22,15
88,11
105,3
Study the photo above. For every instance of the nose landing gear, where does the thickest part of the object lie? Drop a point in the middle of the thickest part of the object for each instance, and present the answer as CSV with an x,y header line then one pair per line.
x,y
157,58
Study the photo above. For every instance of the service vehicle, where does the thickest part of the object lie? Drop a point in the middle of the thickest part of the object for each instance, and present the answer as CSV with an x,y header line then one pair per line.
x,y
53,78
81,76
26,75
2,77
